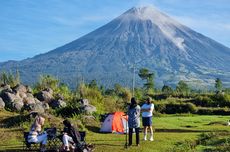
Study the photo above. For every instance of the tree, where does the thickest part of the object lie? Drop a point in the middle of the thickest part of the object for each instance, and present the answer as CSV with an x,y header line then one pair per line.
x,y
182,88
218,85
167,90
145,74
93,84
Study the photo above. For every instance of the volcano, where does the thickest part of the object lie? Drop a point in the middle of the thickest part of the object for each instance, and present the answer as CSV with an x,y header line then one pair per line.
x,y
142,37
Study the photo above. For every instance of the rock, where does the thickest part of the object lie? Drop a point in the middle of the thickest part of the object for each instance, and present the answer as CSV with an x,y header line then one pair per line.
x,y
58,103
17,105
6,88
30,95
89,109
46,106
22,94
29,89
38,107
2,104
84,102
49,90
37,101
29,100
20,88
8,97
45,96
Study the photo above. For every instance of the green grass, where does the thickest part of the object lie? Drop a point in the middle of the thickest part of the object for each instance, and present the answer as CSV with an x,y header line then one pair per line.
x,y
192,122
163,142
171,132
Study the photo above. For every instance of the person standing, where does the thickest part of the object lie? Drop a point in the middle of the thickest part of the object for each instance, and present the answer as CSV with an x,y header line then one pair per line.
x,y
147,113
134,120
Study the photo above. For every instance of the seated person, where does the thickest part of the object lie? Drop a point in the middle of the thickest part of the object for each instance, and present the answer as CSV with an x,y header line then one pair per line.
x,y
35,134
72,139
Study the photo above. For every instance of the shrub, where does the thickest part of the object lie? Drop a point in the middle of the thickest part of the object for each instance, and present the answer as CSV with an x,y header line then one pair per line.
x,y
204,101
213,111
176,107
72,109
94,96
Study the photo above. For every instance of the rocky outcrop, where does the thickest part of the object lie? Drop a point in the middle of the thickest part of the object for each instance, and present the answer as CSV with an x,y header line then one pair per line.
x,y
21,98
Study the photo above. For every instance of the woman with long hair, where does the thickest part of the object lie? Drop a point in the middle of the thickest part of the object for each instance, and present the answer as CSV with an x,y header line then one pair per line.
x,y
134,120
72,139
35,134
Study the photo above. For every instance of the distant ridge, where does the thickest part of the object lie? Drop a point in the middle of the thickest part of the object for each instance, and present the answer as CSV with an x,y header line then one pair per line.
x,y
143,36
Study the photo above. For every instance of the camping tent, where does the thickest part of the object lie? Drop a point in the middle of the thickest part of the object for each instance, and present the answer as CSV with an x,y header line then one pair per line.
x,y
115,123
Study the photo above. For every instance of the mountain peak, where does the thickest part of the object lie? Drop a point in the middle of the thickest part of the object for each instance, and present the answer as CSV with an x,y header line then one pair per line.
x,y
166,24
146,13
144,10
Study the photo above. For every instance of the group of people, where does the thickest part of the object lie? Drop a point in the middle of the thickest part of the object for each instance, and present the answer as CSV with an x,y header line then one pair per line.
x,y
134,112
70,136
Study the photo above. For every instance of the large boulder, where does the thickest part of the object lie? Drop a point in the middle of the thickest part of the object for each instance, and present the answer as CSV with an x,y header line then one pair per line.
x,y
58,103
89,109
29,95
46,96
20,88
6,88
29,100
12,101
37,101
21,94
2,104
17,104
8,97
37,107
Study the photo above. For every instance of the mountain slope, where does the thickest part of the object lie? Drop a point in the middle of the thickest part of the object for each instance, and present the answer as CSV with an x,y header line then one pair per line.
x,y
142,36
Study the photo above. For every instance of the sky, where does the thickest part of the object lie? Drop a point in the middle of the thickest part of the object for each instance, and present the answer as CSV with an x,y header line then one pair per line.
x,y
32,27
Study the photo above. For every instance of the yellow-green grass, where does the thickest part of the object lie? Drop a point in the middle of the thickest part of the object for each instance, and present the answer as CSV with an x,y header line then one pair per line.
x,y
163,142
170,129
192,123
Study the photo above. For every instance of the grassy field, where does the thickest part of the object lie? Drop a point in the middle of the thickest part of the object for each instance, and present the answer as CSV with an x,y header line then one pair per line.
x,y
171,132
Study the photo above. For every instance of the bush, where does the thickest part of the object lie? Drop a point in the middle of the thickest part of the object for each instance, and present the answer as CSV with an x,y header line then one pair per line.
x,y
203,101
94,96
222,100
175,107
70,110
213,111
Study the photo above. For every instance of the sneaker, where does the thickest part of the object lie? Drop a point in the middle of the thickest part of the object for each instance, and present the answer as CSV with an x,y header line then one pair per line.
x,y
145,137
151,139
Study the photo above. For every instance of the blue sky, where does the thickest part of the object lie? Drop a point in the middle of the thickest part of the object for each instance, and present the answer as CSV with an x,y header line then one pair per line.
x,y
31,27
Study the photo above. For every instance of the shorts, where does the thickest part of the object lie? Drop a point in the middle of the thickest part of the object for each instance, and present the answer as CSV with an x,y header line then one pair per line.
x,y
147,121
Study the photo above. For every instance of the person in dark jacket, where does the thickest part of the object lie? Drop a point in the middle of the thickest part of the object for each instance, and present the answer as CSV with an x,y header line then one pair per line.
x,y
134,120
71,137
